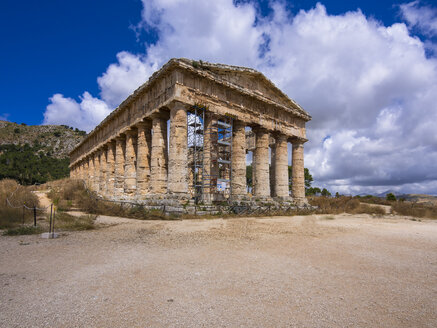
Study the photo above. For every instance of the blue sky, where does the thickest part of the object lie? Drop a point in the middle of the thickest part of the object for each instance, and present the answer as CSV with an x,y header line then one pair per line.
x,y
62,46
365,70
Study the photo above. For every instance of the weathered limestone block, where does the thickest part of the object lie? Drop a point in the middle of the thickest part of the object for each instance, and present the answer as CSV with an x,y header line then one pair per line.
x,y
238,178
177,157
144,148
298,173
110,184
280,165
261,183
120,149
130,174
159,158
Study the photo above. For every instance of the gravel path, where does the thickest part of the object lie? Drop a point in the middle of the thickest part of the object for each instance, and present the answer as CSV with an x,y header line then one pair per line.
x,y
314,271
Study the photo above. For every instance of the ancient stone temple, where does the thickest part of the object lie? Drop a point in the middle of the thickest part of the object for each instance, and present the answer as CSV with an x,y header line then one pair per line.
x,y
182,135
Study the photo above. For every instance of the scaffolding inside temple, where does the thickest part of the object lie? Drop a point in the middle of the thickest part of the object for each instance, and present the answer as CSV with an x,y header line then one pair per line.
x,y
209,155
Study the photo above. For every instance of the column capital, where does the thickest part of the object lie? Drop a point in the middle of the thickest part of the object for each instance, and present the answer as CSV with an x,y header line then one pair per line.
x,y
131,132
160,114
279,136
259,129
144,124
297,140
174,105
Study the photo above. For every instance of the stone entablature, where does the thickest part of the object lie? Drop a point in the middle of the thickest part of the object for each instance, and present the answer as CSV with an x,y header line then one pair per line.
x,y
127,155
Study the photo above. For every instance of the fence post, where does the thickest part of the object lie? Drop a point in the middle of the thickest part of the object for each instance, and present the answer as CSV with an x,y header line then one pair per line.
x,y
50,224
34,216
23,214
53,224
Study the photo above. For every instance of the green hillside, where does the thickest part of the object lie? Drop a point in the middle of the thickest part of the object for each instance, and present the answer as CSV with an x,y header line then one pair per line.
x,y
36,154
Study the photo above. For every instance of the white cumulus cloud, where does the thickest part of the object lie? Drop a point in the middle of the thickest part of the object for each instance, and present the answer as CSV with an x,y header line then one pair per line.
x,y
371,89
419,16
85,114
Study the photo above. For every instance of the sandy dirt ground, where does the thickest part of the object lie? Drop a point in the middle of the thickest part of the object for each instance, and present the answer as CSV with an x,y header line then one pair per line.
x,y
313,271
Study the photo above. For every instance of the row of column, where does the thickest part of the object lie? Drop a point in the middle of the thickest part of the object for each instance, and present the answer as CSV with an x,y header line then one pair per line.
x,y
141,162
261,175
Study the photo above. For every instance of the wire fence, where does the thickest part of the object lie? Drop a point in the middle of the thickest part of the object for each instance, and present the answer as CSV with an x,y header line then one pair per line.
x,y
34,209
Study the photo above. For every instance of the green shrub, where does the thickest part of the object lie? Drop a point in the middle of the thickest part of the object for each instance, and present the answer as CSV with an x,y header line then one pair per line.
x,y
390,197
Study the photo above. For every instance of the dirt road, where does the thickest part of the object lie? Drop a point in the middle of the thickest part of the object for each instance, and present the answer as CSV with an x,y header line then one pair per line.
x,y
315,271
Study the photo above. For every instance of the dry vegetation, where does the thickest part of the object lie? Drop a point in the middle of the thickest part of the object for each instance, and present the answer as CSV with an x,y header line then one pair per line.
x,y
417,210
69,194
343,204
10,217
355,205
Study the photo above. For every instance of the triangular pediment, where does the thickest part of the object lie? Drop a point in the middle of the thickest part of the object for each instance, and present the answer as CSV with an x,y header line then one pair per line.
x,y
248,79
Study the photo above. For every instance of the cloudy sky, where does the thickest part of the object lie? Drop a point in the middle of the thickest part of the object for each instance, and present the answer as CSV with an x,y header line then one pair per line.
x,y
366,71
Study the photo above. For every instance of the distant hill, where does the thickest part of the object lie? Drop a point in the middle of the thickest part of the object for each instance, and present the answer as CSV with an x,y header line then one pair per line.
x,y
36,153
56,140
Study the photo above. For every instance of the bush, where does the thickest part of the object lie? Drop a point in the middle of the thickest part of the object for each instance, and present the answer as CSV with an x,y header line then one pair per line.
x,y
370,199
18,195
67,193
390,197
415,209
343,204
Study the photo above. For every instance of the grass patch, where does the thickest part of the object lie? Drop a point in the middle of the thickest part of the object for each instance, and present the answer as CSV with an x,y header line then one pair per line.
x,y
23,230
65,221
330,217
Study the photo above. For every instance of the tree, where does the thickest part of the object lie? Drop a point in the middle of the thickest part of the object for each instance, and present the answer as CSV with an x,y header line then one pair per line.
x,y
249,175
312,191
325,192
337,195
307,174
390,197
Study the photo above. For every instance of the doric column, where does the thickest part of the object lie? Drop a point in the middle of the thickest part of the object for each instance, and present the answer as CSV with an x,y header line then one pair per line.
x,y
261,183
88,171
238,174
298,173
177,157
81,170
272,170
280,164
103,171
91,172
110,169
144,145
130,173
159,157
97,171
120,149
